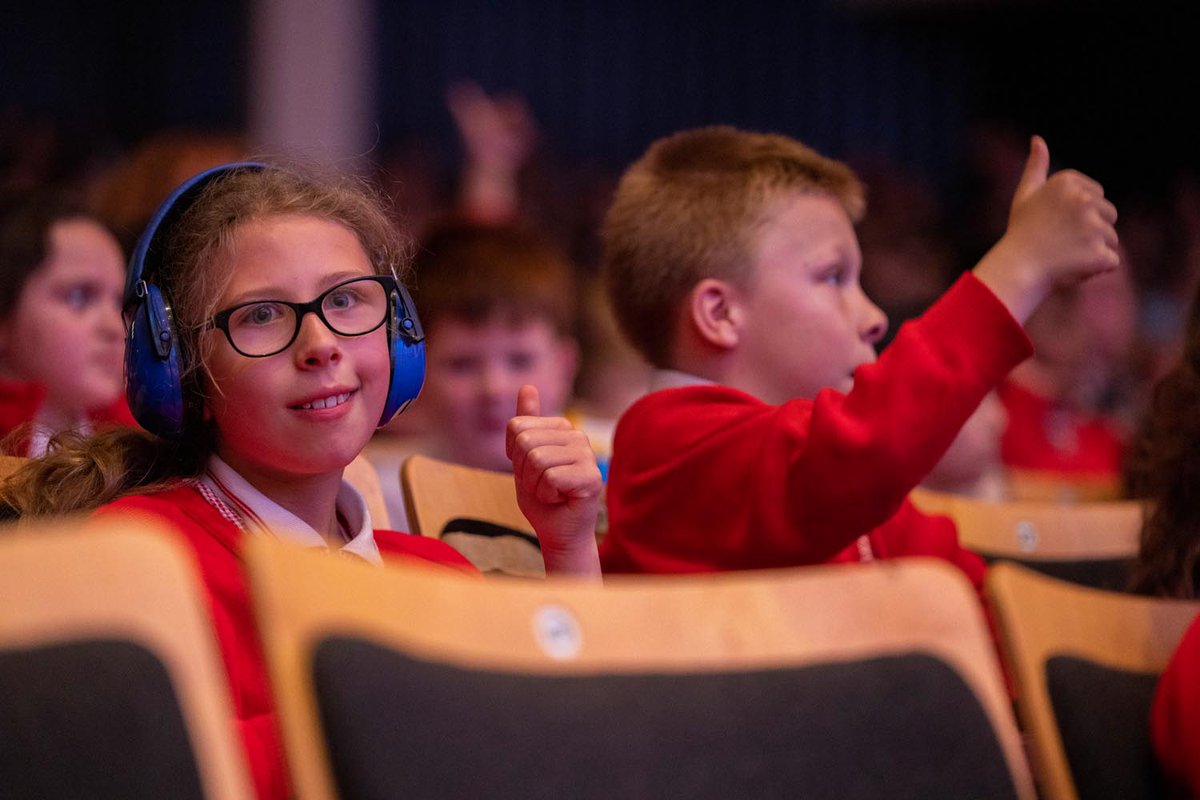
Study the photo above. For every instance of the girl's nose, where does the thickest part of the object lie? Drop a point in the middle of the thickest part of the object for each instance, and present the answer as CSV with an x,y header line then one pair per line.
x,y
316,344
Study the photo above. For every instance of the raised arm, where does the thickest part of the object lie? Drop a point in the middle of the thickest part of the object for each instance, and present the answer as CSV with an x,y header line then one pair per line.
x,y
498,135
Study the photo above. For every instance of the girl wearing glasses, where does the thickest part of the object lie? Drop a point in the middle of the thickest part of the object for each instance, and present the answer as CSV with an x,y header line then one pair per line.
x,y
278,292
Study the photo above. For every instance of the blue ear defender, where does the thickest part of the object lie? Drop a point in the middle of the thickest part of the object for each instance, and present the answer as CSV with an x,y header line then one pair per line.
x,y
153,362
406,343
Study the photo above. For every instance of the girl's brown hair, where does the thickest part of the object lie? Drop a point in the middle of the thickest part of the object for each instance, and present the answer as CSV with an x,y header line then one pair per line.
x,y
1165,469
80,474
26,221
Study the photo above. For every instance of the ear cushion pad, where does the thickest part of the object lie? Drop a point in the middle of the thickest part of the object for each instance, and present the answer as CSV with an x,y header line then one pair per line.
x,y
152,370
407,346
152,359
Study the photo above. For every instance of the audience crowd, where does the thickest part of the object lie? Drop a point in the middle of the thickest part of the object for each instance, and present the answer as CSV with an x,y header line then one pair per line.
x,y
1000,344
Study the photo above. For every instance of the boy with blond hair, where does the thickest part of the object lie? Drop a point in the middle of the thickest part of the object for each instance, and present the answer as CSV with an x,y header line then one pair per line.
x,y
775,438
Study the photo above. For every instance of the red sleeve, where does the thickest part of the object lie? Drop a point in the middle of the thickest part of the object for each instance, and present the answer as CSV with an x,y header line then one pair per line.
x,y
863,452
709,478
1175,718
215,544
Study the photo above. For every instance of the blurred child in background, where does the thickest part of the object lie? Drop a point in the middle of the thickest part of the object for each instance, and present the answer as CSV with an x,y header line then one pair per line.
x,y
498,307
1065,403
62,277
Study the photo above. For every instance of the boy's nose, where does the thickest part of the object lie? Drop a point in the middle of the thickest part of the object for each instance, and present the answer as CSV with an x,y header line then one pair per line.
x,y
494,381
874,322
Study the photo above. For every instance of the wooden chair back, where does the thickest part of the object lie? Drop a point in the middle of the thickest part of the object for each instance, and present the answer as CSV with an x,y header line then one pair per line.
x,y
473,510
112,684
1047,486
361,474
1086,663
821,682
1092,543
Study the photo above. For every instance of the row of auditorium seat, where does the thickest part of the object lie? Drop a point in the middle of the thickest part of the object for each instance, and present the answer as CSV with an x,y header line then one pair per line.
x,y
868,681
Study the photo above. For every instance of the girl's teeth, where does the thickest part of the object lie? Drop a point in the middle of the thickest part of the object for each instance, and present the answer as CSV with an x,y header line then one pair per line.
x,y
328,402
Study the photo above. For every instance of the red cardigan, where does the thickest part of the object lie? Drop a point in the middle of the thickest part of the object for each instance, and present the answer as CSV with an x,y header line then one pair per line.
x,y
1175,718
708,478
1088,444
216,543
21,400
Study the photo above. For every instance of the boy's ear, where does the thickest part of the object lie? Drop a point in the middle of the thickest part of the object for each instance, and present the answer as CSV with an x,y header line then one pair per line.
x,y
714,313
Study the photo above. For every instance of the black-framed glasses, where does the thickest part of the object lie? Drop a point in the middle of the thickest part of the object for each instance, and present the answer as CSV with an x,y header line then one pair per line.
x,y
262,328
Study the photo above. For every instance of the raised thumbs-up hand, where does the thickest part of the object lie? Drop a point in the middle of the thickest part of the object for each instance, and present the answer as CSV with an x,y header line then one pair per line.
x,y
1060,231
558,485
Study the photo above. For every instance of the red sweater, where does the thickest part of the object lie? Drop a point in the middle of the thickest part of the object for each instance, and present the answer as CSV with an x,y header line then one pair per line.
x,y
216,543
21,400
1043,436
708,478
1175,719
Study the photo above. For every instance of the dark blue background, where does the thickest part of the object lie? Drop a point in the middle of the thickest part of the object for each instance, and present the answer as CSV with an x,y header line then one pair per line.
x,y
1110,85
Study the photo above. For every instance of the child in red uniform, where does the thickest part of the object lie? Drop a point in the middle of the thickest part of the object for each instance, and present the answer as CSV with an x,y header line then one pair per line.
x,y
1175,718
276,401
1057,428
774,438
61,276
1164,472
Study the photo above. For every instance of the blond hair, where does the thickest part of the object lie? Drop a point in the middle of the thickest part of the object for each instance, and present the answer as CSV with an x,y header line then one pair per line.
x,y
690,209
80,474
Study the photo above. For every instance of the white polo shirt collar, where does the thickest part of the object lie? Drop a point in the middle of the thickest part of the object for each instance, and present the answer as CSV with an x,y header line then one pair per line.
x,y
674,379
252,511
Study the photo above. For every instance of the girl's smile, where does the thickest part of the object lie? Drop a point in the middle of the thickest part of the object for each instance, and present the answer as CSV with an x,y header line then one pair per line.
x,y
328,401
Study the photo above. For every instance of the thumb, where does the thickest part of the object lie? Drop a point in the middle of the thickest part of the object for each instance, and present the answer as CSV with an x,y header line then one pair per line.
x,y
529,403
1036,169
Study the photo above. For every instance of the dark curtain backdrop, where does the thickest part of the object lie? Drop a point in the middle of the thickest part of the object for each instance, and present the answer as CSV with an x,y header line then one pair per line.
x,y
1109,83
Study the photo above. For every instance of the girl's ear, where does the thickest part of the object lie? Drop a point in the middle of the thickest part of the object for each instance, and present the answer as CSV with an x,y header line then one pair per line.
x,y
715,314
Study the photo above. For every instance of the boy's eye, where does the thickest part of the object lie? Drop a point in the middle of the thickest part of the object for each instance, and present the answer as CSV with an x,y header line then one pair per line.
x,y
834,277
520,361
462,365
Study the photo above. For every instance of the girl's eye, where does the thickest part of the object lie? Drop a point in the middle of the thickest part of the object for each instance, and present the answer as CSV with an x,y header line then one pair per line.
x,y
834,277
258,315
79,296
341,299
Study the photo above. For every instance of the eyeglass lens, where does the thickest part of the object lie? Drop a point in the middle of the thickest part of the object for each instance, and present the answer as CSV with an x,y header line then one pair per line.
x,y
349,309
